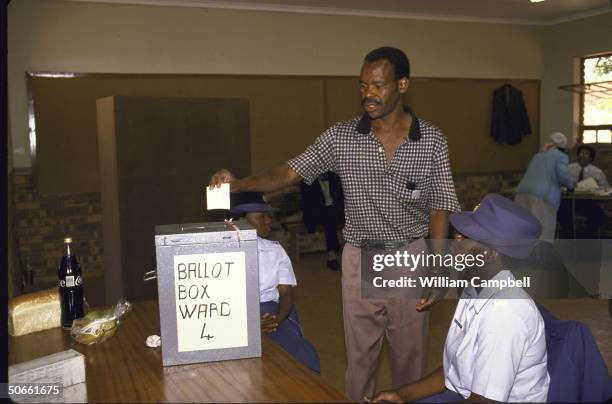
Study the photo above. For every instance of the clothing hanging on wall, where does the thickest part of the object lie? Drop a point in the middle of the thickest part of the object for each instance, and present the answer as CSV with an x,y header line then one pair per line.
x,y
509,120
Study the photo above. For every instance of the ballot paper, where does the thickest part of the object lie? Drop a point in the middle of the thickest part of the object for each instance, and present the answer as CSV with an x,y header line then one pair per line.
x,y
218,198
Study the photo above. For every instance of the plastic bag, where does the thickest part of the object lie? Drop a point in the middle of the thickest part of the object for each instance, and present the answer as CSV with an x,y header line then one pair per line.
x,y
99,325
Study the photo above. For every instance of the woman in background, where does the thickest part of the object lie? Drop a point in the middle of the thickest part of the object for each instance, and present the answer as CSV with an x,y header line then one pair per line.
x,y
540,189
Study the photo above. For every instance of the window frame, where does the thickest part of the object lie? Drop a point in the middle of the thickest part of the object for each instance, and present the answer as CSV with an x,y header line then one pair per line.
x,y
581,126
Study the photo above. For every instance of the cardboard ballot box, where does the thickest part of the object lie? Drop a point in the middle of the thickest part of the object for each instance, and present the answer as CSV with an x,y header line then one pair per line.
x,y
208,287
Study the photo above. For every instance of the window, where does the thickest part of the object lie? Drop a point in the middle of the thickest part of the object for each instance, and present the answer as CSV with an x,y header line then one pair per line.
x,y
596,99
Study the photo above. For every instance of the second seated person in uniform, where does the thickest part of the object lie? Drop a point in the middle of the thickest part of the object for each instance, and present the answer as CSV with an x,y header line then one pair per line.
x,y
495,349
397,186
279,320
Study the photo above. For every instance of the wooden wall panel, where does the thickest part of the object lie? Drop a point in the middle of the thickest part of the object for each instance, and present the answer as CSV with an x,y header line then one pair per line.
x,y
342,99
154,153
286,114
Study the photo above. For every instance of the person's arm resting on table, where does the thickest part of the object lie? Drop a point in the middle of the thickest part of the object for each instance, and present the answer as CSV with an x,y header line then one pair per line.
x,y
285,302
269,322
427,386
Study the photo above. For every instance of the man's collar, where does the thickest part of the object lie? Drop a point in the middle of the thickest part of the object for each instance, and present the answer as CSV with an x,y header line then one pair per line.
x,y
364,126
479,299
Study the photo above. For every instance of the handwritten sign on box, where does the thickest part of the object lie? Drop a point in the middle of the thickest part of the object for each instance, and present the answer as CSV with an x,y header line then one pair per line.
x,y
210,295
208,287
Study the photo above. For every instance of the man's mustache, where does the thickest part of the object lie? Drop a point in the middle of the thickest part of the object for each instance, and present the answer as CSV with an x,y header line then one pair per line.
x,y
370,101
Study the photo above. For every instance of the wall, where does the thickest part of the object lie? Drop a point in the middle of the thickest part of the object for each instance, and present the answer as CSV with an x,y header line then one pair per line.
x,y
40,225
562,46
461,108
94,37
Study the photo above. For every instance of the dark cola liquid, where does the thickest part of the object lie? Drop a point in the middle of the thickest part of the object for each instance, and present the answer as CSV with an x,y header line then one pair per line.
x,y
70,284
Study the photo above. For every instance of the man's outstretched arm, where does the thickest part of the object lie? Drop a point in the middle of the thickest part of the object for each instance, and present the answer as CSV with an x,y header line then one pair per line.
x,y
273,179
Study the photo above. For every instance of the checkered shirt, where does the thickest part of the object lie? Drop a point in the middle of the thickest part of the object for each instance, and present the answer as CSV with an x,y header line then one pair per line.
x,y
383,201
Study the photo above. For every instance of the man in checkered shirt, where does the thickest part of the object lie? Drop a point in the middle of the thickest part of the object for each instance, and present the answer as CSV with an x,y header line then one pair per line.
x,y
398,185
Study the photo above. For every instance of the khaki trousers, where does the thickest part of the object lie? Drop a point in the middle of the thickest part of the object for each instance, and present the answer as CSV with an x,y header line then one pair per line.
x,y
366,321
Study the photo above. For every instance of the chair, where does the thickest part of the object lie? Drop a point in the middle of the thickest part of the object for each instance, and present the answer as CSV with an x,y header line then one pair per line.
x,y
577,370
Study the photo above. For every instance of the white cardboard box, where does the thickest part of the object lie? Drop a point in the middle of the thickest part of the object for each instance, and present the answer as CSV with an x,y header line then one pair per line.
x,y
66,369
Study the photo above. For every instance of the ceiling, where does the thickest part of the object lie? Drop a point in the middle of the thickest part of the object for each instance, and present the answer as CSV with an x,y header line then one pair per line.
x,y
506,11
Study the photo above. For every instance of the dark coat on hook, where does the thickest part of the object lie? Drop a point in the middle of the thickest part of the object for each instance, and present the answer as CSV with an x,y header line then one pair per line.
x,y
509,120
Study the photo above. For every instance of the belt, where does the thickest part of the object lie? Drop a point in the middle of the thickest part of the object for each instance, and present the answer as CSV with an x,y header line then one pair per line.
x,y
387,244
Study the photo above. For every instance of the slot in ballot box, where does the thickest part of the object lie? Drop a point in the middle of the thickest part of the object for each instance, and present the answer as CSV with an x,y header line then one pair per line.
x,y
208,288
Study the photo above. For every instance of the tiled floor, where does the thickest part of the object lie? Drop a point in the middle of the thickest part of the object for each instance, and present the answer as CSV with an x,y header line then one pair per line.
x,y
320,311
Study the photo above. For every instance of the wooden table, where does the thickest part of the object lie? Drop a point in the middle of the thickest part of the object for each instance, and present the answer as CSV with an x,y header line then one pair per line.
x,y
124,369
573,196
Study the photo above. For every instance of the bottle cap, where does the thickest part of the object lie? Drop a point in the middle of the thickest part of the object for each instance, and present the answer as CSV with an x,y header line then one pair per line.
x,y
68,240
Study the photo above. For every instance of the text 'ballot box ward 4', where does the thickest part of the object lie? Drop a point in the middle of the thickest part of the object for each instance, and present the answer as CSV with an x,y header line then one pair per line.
x,y
208,287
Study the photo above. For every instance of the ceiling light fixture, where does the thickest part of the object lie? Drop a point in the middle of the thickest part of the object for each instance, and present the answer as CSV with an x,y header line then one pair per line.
x,y
536,1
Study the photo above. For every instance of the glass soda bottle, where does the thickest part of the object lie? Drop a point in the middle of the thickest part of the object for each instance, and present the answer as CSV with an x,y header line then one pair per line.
x,y
70,284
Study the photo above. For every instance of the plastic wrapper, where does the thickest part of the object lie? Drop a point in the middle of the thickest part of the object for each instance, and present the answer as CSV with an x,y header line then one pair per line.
x,y
34,312
99,325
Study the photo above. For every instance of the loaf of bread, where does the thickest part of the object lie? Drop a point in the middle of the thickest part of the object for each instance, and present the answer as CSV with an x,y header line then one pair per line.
x,y
34,312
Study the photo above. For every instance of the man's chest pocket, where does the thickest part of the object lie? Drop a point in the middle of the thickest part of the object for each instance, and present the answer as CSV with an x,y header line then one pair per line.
x,y
409,180
406,191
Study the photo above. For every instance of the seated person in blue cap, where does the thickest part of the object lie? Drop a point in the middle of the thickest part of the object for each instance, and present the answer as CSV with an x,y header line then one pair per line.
x,y
279,319
495,349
